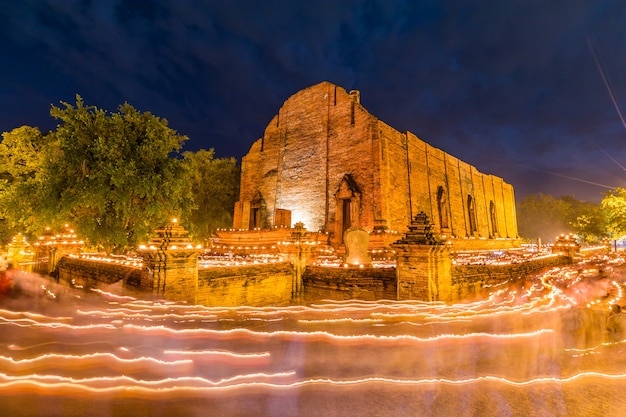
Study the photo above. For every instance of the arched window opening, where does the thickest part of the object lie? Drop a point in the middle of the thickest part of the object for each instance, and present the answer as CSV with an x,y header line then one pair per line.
x,y
442,206
493,218
471,211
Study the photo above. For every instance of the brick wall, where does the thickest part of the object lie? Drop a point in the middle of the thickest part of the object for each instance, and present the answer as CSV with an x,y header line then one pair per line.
x,y
271,284
413,167
323,133
423,272
255,285
468,281
476,281
319,135
89,274
367,284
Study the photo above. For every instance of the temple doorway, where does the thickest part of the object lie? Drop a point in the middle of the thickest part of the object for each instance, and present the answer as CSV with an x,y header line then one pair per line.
x,y
347,203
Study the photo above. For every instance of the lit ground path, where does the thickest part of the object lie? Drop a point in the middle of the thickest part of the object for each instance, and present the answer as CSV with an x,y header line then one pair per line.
x,y
538,349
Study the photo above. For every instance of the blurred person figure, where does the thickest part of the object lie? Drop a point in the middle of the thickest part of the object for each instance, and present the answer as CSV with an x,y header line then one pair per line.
x,y
616,324
6,281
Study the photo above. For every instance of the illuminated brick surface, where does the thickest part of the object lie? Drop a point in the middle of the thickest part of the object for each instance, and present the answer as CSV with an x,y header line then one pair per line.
x,y
324,149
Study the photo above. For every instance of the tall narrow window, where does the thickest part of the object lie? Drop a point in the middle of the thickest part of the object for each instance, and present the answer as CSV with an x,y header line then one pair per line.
x,y
442,205
352,113
494,219
471,211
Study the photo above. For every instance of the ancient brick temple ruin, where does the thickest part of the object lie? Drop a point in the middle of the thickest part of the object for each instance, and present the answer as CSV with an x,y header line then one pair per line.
x,y
328,163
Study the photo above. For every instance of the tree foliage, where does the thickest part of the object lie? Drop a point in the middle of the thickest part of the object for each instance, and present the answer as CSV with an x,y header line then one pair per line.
x,y
587,219
215,187
21,179
113,175
544,216
541,216
614,204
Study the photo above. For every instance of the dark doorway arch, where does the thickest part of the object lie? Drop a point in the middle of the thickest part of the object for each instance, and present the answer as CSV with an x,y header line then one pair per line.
x,y
347,203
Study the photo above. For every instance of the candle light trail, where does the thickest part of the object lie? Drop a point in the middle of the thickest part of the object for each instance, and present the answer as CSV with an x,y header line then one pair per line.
x,y
352,357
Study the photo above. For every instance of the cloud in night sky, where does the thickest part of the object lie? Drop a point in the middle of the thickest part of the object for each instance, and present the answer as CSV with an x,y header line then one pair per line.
x,y
511,87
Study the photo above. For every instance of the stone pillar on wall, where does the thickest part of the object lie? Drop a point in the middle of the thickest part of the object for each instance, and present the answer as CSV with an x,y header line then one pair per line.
x,y
298,250
566,245
423,264
170,265
50,248
20,254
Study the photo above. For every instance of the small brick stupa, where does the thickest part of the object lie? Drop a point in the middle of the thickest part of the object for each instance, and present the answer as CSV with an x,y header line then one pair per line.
x,y
171,264
423,265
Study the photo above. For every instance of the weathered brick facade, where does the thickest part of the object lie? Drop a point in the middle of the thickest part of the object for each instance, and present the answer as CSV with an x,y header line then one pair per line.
x,y
271,284
324,160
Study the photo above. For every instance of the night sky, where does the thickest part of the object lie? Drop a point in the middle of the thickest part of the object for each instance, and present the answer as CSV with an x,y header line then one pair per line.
x,y
529,90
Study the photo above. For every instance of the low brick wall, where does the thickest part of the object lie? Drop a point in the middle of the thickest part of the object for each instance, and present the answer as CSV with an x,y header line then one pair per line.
x,y
368,284
89,274
477,281
271,284
254,285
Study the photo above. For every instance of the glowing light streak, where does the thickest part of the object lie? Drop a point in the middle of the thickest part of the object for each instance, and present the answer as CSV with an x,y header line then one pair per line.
x,y
608,88
164,350
109,360
569,177
87,327
130,314
64,344
30,315
342,320
113,296
326,336
184,381
217,353
143,391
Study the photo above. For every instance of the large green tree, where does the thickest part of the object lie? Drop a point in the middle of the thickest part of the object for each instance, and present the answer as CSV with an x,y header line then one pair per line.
x,y
215,185
114,176
21,181
587,219
614,204
544,216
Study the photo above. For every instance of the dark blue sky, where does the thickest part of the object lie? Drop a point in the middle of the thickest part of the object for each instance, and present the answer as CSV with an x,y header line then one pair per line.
x,y
528,90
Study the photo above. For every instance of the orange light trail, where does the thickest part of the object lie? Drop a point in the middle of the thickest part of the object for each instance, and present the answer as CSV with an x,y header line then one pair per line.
x,y
532,335
151,389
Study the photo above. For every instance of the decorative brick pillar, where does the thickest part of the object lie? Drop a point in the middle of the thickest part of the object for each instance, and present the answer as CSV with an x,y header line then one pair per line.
x,y
20,254
423,264
50,248
566,245
170,265
298,249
